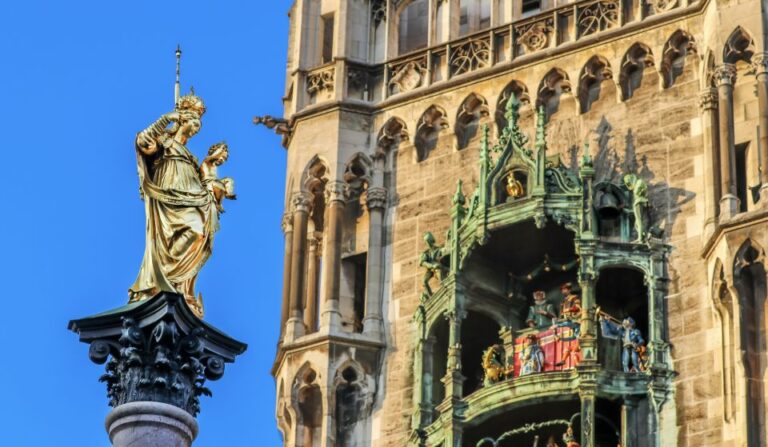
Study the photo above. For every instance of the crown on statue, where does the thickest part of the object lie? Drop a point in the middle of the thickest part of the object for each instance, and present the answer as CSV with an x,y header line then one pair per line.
x,y
192,103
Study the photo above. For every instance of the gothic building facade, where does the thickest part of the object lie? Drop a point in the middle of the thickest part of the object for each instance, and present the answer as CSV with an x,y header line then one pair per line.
x,y
511,222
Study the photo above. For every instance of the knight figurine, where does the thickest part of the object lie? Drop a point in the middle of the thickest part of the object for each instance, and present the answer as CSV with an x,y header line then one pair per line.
x,y
432,261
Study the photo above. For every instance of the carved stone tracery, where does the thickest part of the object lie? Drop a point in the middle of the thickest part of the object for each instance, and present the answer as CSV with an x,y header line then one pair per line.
x,y
320,80
470,56
536,35
598,16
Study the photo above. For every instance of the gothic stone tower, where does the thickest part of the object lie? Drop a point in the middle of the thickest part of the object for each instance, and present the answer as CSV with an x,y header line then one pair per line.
x,y
390,103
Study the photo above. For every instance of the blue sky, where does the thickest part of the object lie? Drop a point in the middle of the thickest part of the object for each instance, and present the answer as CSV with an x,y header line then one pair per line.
x,y
78,80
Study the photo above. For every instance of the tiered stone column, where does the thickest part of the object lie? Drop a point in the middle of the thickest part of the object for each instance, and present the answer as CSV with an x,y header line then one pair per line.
x,y
760,65
335,198
310,310
287,225
725,76
376,199
629,428
712,194
295,325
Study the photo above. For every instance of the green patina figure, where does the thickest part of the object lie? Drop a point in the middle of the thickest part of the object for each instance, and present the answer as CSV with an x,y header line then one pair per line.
x,y
639,189
431,260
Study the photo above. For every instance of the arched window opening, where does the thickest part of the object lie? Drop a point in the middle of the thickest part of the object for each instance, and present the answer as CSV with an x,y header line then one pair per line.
x,y
413,26
594,82
378,30
621,293
554,92
750,282
676,52
436,364
310,406
350,408
636,70
428,130
520,92
471,112
475,15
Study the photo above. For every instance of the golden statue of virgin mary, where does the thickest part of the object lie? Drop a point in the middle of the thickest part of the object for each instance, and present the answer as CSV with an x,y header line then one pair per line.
x,y
182,202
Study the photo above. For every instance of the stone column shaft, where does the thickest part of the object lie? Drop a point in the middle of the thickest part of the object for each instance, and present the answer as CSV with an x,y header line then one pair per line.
x,y
310,311
376,198
760,65
725,76
335,196
712,191
295,324
288,232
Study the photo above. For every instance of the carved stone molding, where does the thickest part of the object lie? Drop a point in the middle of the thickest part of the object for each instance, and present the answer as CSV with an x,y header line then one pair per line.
x,y
598,16
320,80
407,76
158,351
708,99
470,56
287,223
760,64
535,36
660,6
302,201
376,198
336,191
725,74
378,11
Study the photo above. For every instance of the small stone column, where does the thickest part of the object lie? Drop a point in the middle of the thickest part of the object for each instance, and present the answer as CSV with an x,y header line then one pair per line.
x,y
587,396
301,206
376,199
335,197
310,311
629,428
760,65
725,76
158,356
453,379
712,194
287,225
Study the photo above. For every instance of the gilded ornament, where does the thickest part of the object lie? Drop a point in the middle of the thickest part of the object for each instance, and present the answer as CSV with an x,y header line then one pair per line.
x,y
515,189
182,202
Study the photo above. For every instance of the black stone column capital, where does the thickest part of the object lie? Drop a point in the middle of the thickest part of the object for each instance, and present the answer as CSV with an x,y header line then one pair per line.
x,y
157,350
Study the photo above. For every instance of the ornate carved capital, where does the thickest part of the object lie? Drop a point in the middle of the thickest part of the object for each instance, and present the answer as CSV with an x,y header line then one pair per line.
x,y
336,191
287,223
158,351
376,198
760,64
302,201
725,75
708,99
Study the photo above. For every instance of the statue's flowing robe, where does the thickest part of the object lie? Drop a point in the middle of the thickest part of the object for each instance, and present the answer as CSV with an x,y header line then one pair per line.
x,y
181,221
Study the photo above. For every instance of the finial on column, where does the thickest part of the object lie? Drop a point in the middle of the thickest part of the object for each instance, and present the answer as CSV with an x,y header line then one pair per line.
x,y
177,87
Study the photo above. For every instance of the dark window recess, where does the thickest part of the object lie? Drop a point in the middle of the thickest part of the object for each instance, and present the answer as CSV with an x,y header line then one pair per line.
x,y
531,6
741,176
327,39
354,266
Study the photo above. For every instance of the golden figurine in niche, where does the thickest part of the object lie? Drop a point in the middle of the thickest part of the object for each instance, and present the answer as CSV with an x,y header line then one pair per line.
x,y
182,202
515,188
